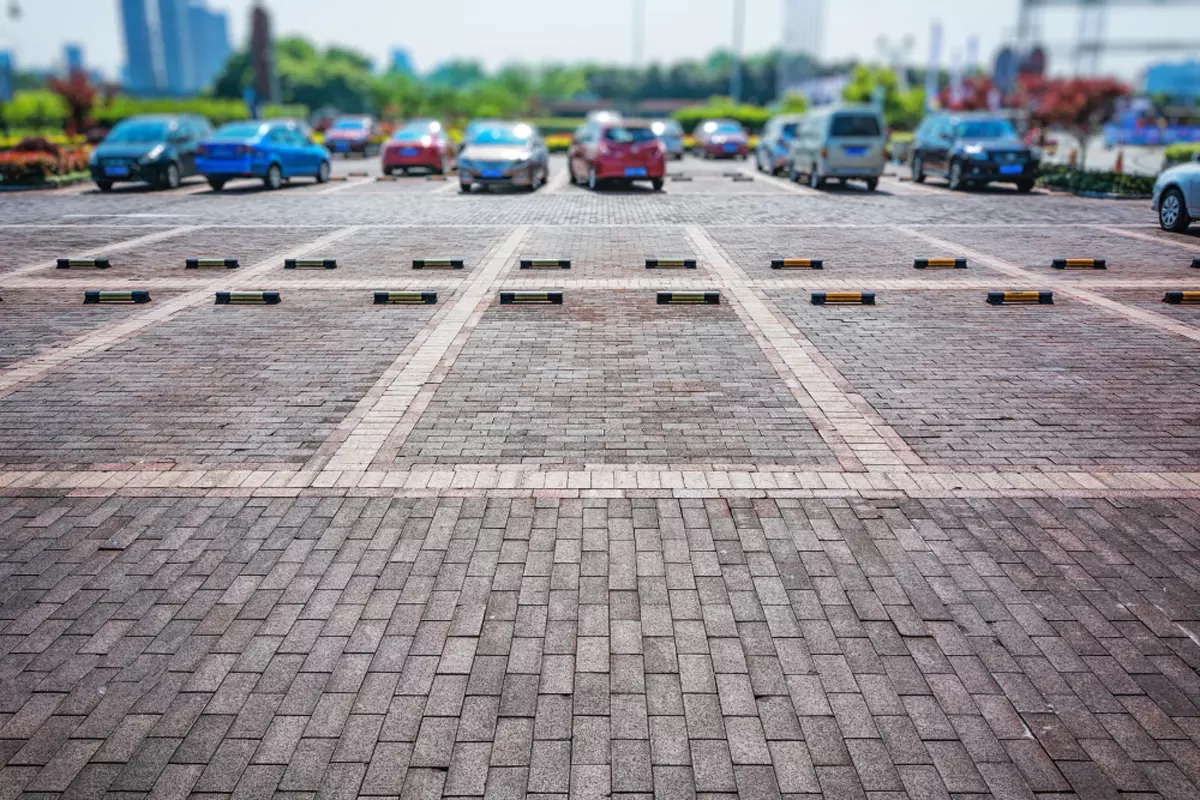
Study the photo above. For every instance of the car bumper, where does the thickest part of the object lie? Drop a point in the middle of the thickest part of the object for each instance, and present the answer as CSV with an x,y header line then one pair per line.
x,y
720,151
133,173
869,171
987,171
226,168
513,177
423,159
617,170
346,145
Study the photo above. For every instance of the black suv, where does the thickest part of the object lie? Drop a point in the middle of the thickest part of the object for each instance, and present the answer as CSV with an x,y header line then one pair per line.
x,y
972,149
159,149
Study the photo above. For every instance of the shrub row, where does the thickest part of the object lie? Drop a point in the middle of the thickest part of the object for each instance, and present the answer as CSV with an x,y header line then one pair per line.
x,y
1181,153
1058,176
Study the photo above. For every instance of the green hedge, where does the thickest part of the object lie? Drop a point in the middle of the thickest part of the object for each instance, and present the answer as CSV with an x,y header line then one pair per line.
x,y
1057,176
218,112
753,118
1181,153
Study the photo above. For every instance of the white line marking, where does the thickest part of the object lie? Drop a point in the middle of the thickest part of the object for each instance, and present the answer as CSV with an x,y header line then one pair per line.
x,y
117,247
1186,244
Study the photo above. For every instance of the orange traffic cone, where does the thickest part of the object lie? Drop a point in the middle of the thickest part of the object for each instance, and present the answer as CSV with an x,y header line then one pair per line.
x,y
1119,167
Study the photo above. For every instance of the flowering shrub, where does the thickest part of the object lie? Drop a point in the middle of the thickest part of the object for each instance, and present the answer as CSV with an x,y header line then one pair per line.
x,y
35,161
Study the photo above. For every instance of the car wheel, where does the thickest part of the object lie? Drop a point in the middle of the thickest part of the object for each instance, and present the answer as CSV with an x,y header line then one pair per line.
x,y
444,169
815,181
792,173
169,179
217,184
657,183
593,181
1024,187
571,179
274,177
872,184
387,171
104,186
323,172
918,170
1172,211
955,179
464,187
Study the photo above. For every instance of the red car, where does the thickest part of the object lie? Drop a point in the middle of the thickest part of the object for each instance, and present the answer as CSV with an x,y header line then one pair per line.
x,y
617,150
419,143
352,134
721,138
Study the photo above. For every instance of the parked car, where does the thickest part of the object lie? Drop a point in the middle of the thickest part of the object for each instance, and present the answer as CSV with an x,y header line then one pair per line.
x,y
846,142
972,149
301,124
670,133
353,134
624,151
421,143
774,145
1177,197
271,151
504,154
157,149
721,138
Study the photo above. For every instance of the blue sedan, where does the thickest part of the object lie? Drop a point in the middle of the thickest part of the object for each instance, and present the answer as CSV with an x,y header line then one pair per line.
x,y
271,151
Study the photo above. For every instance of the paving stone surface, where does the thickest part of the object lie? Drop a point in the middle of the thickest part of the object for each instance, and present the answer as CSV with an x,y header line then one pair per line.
x,y
926,549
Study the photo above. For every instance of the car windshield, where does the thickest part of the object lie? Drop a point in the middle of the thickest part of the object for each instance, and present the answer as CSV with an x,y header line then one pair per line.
x,y
854,125
723,127
788,131
138,133
349,125
985,129
667,128
238,130
627,135
502,134
410,134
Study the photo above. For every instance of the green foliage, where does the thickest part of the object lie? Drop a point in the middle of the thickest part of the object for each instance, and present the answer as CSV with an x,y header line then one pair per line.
x,y
36,108
216,111
792,104
753,118
1180,153
1058,176
903,109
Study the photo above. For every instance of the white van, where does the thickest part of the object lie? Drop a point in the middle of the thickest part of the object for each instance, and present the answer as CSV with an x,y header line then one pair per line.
x,y
841,141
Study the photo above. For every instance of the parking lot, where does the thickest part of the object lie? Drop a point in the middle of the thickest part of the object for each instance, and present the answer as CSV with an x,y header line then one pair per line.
x,y
926,548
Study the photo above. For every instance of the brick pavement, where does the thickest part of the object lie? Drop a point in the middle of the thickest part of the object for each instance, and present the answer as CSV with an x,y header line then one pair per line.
x,y
925,549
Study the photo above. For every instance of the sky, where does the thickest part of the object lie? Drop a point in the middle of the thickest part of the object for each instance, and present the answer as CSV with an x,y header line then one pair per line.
x,y
541,31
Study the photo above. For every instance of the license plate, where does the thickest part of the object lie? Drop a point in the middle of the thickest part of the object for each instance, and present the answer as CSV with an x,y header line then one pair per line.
x,y
635,172
731,148
116,171
341,146
855,151
409,151
1012,169
492,173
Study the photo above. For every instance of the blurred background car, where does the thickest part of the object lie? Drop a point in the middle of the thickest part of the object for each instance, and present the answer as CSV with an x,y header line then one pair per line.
x,y
841,141
157,149
604,115
271,151
670,133
301,124
504,154
352,134
973,149
771,155
623,151
419,143
1177,197
721,138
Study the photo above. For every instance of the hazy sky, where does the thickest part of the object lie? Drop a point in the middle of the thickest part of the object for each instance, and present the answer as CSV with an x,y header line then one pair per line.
x,y
537,31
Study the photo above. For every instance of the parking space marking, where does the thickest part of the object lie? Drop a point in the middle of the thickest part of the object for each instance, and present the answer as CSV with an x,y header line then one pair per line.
x,y
1067,288
35,367
848,425
117,247
349,184
558,180
383,410
782,183
1187,244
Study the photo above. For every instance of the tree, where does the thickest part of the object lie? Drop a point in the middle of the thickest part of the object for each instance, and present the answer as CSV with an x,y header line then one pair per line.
x,y
1079,106
79,95
793,103
903,109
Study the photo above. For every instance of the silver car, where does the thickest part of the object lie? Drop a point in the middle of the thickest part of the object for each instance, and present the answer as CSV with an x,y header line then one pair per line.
x,y
1177,197
504,154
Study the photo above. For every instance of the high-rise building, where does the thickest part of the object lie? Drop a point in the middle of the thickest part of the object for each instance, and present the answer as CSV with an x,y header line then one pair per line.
x,y
177,40
73,57
803,37
401,61
139,49
209,35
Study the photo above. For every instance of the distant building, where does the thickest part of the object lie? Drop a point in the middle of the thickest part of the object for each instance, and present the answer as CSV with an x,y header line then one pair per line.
x,y
401,61
141,73
1180,82
73,57
175,36
209,34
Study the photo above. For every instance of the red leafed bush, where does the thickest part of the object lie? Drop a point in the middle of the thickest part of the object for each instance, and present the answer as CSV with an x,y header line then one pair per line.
x,y
26,168
37,144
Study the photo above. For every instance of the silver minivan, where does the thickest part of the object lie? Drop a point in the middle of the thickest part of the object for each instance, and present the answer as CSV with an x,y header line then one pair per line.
x,y
843,142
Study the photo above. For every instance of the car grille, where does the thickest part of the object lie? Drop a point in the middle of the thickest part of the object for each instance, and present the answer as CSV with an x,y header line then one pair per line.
x,y
116,162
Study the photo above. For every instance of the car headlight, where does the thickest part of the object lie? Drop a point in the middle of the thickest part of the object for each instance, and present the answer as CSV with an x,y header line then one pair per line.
x,y
93,159
153,155
464,163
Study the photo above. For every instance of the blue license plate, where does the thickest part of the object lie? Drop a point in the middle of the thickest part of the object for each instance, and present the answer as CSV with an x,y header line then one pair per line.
x,y
340,146
635,172
731,148
492,173
116,172
409,151
855,151
1012,169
